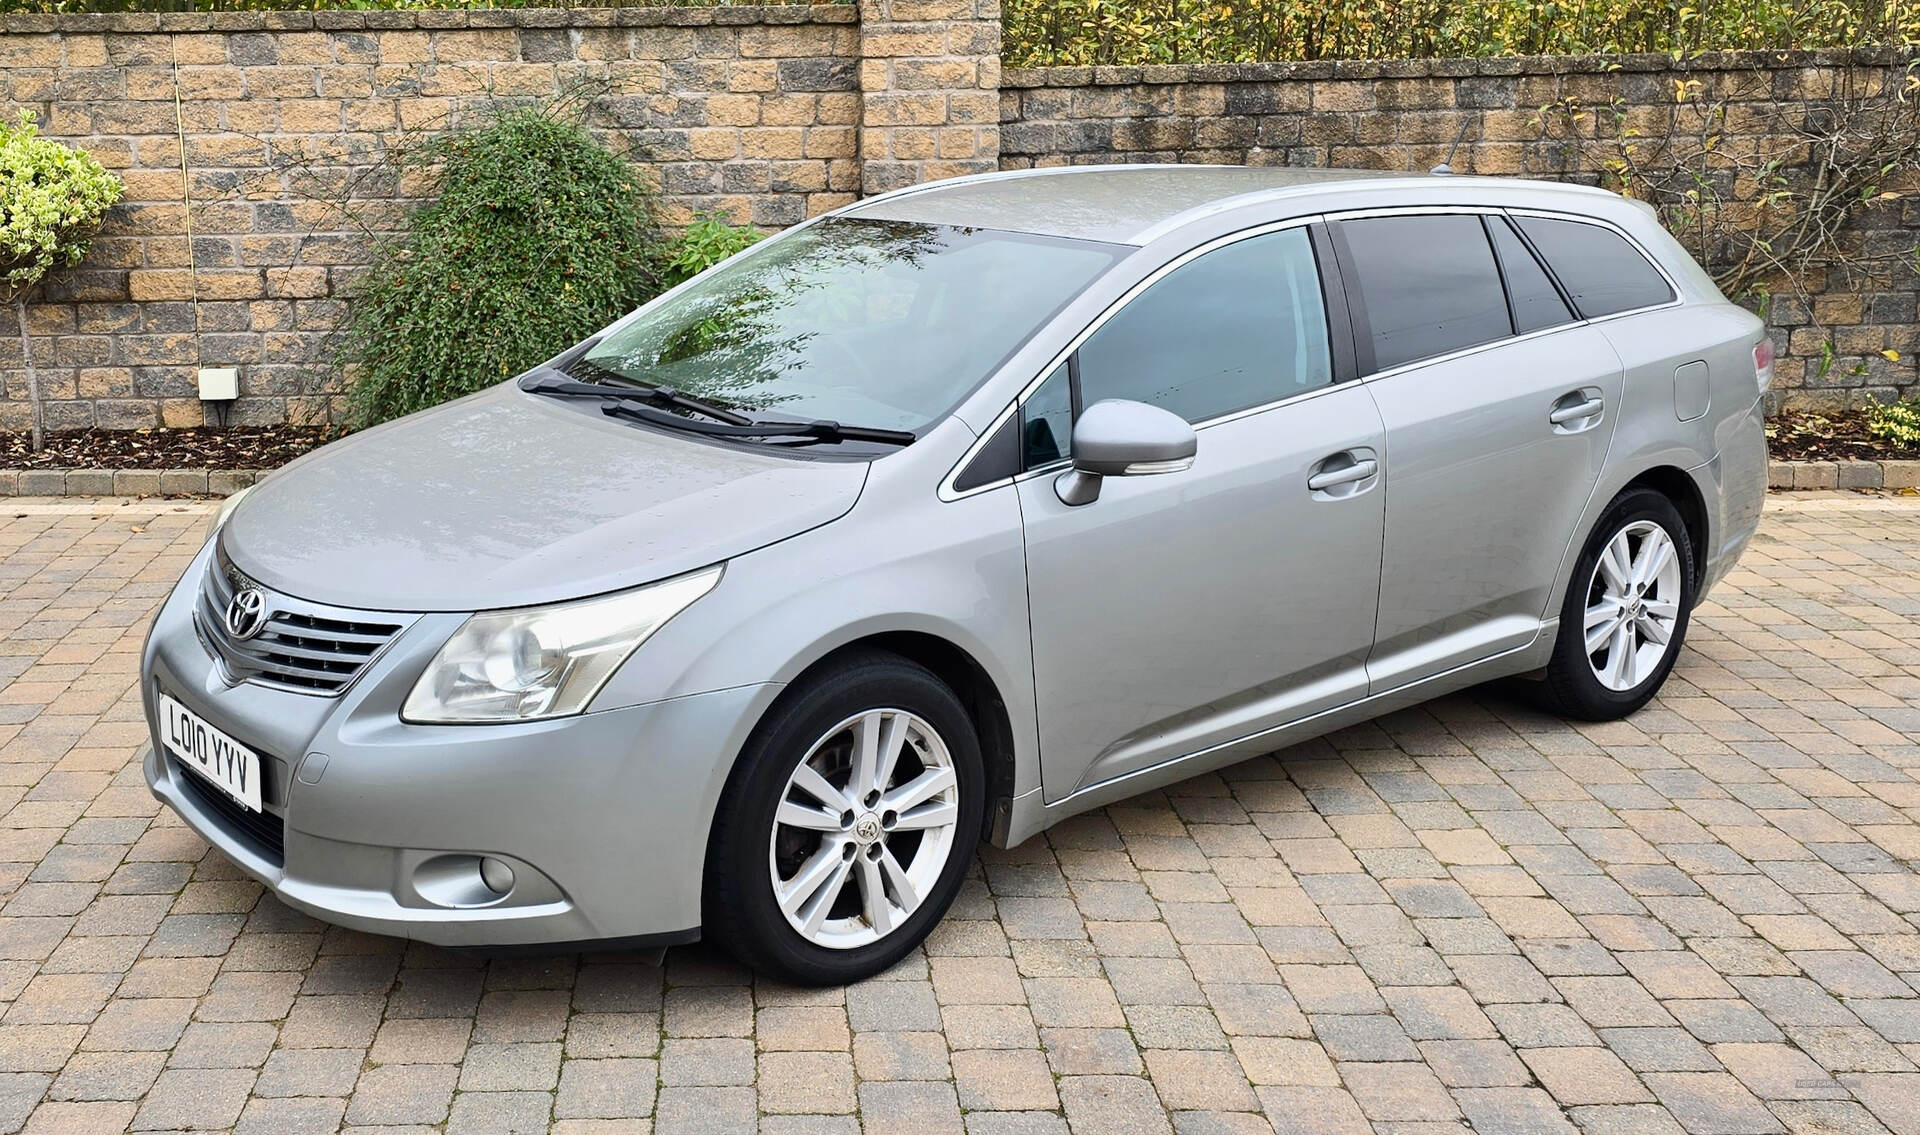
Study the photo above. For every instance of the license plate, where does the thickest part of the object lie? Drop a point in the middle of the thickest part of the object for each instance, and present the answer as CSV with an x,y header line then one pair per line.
x,y
224,762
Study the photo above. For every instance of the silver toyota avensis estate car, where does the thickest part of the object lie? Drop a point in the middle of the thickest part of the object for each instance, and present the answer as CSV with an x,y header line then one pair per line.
x,y
942,517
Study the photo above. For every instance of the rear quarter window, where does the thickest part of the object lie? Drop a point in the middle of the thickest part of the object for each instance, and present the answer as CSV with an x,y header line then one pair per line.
x,y
1602,273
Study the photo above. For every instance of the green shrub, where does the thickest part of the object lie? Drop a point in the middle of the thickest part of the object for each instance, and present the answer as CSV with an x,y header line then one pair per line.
x,y
1050,32
52,199
1897,422
538,238
707,241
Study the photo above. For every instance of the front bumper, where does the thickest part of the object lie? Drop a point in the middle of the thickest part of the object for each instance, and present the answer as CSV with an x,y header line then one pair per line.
x,y
603,818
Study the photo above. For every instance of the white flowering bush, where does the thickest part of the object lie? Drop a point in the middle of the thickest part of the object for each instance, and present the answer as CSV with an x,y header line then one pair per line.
x,y
51,201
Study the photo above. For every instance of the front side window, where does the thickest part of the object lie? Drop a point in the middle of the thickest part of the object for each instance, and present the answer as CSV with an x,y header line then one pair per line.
x,y
1602,272
874,323
1237,327
1429,284
1046,420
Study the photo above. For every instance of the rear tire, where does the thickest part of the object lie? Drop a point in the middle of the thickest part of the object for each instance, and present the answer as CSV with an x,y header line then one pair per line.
x,y
1625,615
848,824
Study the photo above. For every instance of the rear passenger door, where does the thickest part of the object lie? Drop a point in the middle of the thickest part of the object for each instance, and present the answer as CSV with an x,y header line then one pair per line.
x,y
1498,403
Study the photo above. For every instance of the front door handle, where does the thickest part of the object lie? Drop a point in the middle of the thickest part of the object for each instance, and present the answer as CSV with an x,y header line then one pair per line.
x,y
1347,474
1568,411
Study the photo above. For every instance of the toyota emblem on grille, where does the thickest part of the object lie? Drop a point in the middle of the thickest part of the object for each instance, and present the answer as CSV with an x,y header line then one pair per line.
x,y
247,613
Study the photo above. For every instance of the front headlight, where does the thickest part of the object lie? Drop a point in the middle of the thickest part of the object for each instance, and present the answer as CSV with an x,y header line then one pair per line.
x,y
225,510
544,661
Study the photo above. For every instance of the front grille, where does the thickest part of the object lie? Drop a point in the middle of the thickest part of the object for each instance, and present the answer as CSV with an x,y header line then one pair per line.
x,y
305,647
263,832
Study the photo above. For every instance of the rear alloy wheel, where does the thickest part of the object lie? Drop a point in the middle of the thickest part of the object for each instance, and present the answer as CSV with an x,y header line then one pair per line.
x,y
1633,605
849,823
1626,611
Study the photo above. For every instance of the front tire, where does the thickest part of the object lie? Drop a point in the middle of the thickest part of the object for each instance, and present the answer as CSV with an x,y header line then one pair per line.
x,y
848,824
1626,610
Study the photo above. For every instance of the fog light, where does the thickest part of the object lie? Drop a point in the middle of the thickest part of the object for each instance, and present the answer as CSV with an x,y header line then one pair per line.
x,y
496,875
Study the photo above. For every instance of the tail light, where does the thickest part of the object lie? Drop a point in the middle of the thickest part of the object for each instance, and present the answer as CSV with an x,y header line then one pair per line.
x,y
1763,364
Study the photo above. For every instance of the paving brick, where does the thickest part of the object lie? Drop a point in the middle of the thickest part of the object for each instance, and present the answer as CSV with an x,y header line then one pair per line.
x,y
92,1076
606,1089
1580,1076
806,1082
910,1106
1711,1103
1690,921
704,1109
533,1066
402,1093
194,1098
1120,1104
421,1041
1512,1111
309,1072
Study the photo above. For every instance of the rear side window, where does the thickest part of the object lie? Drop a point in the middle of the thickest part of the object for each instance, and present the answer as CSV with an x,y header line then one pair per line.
x,y
1536,303
1235,328
1429,285
1600,270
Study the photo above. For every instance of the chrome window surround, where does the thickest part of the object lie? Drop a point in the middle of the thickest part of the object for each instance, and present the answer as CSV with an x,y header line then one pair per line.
x,y
948,493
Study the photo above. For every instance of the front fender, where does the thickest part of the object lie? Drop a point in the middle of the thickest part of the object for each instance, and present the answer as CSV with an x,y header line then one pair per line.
x,y
956,571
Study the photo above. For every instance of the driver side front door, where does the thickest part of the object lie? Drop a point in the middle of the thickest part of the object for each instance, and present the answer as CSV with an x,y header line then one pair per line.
x,y
1182,611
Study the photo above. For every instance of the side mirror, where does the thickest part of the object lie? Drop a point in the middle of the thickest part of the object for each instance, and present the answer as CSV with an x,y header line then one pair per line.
x,y
1118,438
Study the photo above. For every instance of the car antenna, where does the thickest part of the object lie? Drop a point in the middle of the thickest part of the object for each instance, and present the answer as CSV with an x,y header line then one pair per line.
x,y
1446,163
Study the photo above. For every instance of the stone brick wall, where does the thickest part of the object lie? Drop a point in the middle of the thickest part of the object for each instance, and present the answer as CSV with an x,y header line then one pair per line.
x,y
769,114
283,116
1408,115
929,70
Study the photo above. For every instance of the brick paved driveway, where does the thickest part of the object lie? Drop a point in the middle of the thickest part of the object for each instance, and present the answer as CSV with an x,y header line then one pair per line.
x,y
1706,918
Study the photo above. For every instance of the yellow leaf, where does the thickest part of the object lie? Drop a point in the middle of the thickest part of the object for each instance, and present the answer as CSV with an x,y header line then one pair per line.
x,y
1891,356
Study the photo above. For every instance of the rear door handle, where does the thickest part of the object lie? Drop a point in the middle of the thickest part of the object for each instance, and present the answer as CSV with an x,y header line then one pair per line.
x,y
1564,414
1343,475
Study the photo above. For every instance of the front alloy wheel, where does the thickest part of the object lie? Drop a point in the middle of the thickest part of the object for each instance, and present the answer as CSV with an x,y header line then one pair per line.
x,y
864,829
848,824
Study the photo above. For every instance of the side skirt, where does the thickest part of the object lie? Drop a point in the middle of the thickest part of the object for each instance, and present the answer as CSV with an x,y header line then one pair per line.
x,y
1031,815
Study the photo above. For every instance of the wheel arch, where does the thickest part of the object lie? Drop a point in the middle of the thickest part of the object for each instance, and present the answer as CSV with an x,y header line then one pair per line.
x,y
969,680
1661,474
1678,486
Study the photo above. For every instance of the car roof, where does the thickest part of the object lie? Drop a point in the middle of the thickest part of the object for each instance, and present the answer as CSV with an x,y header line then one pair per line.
x,y
1131,204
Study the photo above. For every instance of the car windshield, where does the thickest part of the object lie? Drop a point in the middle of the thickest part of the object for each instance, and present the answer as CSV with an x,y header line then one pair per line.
x,y
865,322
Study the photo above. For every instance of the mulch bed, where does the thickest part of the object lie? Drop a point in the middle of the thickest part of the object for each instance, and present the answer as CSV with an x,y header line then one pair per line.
x,y
1790,437
242,447
1830,437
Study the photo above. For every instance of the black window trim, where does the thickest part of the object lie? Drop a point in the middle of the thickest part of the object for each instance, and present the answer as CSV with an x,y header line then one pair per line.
x,y
1357,308
1526,242
1361,341
1069,355
1506,282
1673,286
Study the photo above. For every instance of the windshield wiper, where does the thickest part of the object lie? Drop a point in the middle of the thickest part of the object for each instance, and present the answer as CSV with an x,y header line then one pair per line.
x,y
627,390
820,430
